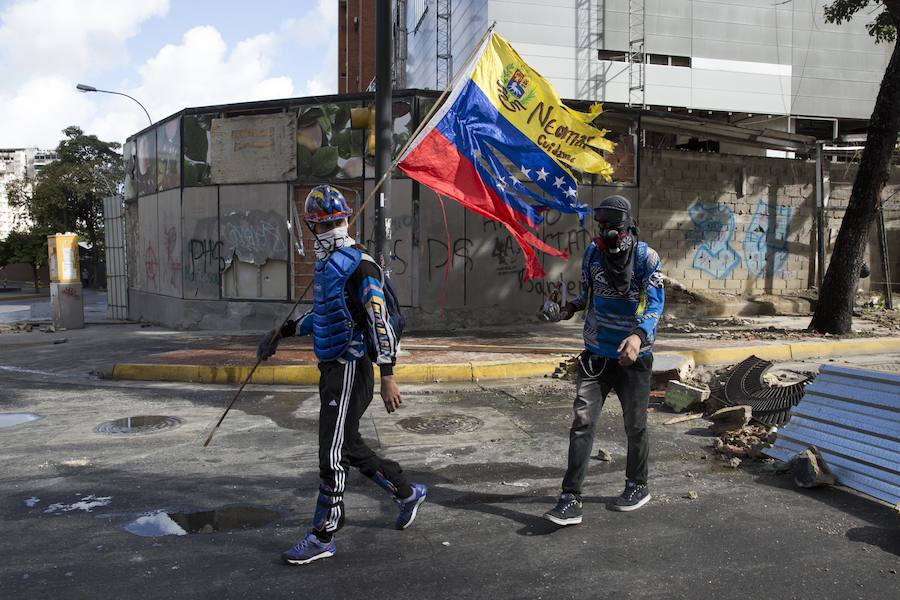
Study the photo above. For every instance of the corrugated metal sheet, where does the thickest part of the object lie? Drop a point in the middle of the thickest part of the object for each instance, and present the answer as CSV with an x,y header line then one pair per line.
x,y
853,417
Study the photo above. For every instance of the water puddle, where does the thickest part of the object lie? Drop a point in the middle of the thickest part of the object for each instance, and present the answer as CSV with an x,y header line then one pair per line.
x,y
201,521
138,425
13,419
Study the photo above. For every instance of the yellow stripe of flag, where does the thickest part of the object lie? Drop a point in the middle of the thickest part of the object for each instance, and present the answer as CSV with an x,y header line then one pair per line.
x,y
531,104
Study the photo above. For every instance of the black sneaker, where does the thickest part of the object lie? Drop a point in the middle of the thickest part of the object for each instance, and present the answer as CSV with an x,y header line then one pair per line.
x,y
567,511
635,496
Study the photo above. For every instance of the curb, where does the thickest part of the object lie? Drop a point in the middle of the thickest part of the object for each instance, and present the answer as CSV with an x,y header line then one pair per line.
x,y
309,374
481,371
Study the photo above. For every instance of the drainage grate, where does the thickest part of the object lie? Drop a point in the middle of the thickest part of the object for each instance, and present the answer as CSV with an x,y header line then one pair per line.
x,y
441,424
138,425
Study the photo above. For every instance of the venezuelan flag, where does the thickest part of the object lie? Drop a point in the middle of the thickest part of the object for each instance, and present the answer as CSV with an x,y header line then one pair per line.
x,y
502,135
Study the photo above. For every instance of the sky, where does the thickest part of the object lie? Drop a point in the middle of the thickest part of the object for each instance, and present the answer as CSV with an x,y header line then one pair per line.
x,y
169,54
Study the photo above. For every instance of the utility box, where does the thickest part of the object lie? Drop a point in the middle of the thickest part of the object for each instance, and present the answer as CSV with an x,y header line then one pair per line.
x,y
66,300
62,249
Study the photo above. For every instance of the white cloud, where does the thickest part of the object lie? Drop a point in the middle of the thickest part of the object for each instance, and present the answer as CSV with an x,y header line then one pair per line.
x,y
200,71
46,46
66,37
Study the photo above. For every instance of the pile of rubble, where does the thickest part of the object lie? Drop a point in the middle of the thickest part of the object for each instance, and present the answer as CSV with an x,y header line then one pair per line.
x,y
27,327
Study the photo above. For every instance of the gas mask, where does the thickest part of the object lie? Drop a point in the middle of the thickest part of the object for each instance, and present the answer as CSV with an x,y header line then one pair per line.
x,y
615,237
613,217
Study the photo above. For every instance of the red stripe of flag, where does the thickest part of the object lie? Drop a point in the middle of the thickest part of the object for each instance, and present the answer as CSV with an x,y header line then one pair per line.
x,y
436,163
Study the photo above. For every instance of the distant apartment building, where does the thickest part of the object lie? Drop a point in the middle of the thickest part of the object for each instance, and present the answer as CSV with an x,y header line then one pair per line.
x,y
18,163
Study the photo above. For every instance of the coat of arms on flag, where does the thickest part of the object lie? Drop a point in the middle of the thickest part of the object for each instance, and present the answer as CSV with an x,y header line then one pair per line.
x,y
505,146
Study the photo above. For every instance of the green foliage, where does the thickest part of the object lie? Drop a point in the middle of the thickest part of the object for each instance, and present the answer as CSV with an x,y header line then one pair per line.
x,y
29,247
67,195
883,27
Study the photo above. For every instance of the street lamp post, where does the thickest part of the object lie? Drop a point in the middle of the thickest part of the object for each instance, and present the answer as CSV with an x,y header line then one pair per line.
x,y
89,88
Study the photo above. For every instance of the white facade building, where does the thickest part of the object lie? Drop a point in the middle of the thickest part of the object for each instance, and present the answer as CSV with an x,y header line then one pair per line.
x,y
18,163
770,60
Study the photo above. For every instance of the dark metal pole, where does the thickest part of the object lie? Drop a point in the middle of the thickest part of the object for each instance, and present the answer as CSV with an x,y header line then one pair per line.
x,y
885,260
384,135
821,214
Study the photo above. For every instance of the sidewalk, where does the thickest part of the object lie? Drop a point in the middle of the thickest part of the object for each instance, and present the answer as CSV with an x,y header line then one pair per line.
x,y
131,351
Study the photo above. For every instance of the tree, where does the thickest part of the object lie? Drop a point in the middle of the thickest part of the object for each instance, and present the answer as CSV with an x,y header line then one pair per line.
x,y
834,311
28,247
67,195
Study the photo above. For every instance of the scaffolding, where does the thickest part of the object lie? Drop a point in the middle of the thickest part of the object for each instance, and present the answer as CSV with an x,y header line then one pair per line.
x,y
400,45
444,10
637,64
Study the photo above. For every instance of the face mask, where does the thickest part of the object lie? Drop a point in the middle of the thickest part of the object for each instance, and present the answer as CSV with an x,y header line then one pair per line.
x,y
615,239
331,240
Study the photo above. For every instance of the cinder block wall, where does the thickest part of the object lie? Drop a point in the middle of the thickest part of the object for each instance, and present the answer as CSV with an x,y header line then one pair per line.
x,y
741,224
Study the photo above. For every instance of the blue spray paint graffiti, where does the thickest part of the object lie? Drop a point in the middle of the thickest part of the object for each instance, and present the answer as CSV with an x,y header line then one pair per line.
x,y
713,234
767,240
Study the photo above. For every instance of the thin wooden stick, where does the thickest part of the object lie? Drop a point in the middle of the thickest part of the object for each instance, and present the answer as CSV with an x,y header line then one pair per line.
x,y
368,199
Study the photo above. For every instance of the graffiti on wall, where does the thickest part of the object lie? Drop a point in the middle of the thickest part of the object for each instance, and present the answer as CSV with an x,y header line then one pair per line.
x,y
713,235
765,245
173,260
206,263
255,236
766,241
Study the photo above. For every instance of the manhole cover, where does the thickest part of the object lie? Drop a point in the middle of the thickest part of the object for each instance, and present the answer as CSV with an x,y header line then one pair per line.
x,y
440,424
13,419
142,424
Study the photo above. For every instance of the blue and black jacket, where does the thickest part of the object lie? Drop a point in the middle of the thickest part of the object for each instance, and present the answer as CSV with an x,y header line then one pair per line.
x,y
610,315
349,317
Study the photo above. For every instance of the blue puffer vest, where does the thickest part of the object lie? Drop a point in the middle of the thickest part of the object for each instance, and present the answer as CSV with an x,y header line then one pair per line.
x,y
332,322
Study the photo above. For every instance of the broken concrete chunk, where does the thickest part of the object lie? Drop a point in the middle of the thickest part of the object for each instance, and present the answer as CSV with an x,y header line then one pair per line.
x,y
734,463
681,395
809,469
691,495
603,455
731,418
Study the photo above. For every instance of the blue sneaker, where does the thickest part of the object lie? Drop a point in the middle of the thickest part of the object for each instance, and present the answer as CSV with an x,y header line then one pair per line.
x,y
308,549
410,506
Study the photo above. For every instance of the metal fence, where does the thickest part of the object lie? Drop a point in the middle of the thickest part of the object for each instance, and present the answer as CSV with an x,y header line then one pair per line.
x,y
116,279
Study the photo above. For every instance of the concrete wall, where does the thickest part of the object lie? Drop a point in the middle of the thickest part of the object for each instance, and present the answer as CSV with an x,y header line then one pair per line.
x,y
205,257
743,224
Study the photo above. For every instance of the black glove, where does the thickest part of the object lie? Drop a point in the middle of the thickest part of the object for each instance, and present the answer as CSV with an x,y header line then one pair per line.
x,y
567,312
267,345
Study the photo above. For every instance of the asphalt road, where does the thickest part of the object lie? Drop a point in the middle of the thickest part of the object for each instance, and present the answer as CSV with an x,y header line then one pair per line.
x,y
67,494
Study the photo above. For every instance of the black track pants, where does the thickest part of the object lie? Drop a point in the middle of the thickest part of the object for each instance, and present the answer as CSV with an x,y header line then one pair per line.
x,y
345,392
596,377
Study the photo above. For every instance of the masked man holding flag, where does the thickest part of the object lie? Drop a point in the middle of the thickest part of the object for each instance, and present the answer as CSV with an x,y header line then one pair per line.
x,y
623,298
351,328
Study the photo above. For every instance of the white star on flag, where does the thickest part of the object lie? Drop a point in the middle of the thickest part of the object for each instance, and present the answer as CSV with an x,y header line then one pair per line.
x,y
501,185
542,174
558,183
571,193
525,172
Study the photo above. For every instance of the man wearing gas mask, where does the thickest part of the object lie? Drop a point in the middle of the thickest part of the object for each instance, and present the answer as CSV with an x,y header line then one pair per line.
x,y
623,298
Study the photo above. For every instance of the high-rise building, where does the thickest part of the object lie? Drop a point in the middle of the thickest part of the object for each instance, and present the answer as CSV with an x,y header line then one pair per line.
x,y
741,61
18,163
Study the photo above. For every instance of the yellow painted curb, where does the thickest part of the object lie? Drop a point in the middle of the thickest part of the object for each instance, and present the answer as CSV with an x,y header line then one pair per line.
x,y
797,350
309,374
736,354
483,371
